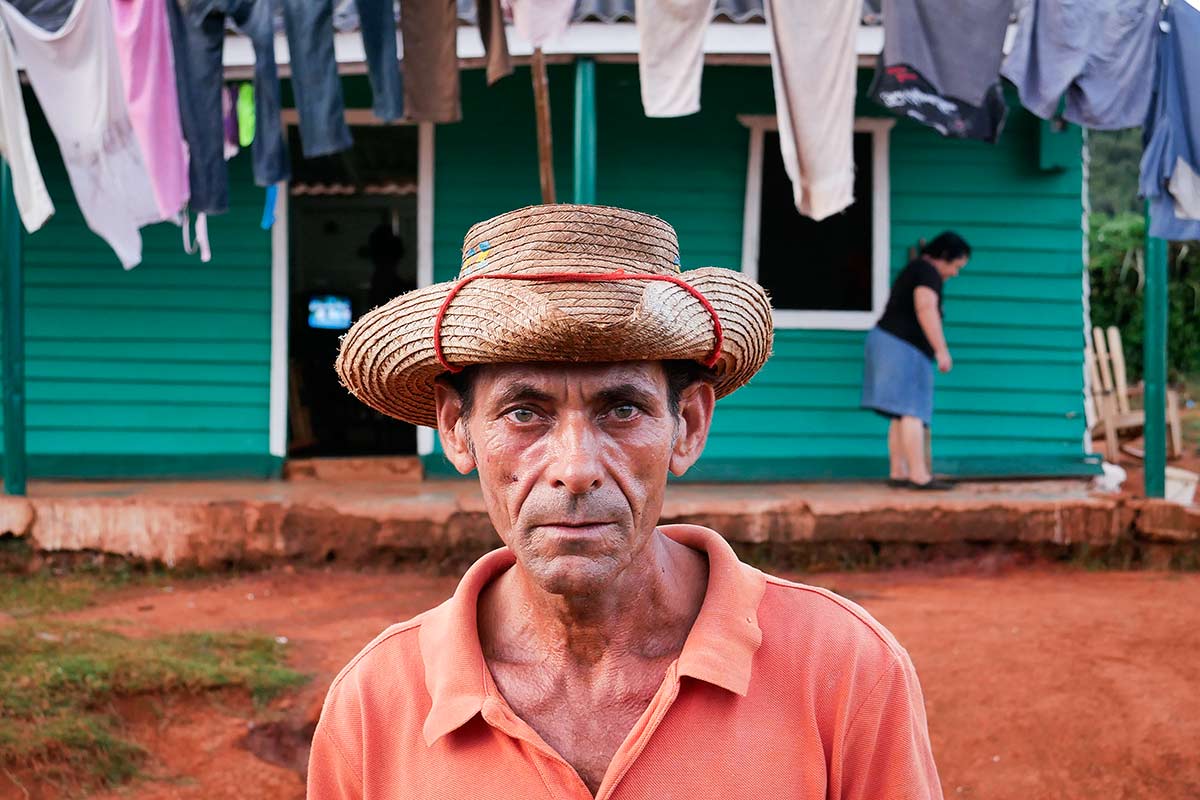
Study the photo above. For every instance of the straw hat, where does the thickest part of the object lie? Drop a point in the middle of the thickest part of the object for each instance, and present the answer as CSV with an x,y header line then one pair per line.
x,y
558,283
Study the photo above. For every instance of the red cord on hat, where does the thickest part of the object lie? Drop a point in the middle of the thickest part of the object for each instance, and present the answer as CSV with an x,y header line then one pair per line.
x,y
577,277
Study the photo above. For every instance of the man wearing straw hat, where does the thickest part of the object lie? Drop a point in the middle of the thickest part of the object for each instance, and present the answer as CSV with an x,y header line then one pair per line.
x,y
599,654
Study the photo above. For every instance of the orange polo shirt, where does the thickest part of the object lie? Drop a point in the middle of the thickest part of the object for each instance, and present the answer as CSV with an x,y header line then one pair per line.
x,y
781,690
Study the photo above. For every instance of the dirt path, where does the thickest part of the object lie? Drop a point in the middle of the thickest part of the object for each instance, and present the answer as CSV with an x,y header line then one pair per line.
x,y
1039,682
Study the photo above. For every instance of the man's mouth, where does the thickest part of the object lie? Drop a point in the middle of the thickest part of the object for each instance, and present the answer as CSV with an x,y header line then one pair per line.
x,y
573,528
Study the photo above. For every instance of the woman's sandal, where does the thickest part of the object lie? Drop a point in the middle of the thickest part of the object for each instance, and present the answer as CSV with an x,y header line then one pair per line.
x,y
932,485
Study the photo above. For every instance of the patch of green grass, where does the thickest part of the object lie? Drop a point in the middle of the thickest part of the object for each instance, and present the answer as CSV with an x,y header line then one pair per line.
x,y
60,590
57,683
26,595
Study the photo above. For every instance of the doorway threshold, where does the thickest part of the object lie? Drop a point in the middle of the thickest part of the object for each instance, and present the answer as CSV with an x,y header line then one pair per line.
x,y
405,469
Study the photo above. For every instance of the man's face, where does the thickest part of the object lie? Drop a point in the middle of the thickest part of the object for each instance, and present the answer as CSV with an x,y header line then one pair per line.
x,y
573,461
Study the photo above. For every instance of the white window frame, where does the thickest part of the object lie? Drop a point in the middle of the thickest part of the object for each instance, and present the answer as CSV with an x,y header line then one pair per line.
x,y
881,226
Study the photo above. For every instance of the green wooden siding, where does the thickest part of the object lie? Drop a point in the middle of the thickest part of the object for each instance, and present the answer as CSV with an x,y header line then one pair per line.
x,y
162,370
488,163
165,369
1013,404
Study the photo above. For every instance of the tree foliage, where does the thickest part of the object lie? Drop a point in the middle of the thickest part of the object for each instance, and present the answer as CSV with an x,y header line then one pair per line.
x,y
1114,158
1117,273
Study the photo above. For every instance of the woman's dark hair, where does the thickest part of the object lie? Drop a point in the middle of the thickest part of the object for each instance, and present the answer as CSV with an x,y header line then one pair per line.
x,y
948,246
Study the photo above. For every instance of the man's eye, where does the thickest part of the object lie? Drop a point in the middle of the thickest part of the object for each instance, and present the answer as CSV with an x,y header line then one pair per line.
x,y
521,415
624,412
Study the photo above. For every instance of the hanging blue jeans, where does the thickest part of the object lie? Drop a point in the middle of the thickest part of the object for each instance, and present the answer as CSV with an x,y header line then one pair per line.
x,y
198,37
378,23
315,82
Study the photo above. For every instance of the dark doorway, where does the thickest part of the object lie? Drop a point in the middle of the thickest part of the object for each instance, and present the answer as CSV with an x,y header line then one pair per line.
x,y
353,245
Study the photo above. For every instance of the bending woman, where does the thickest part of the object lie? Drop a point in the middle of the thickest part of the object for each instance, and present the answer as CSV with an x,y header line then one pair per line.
x,y
900,352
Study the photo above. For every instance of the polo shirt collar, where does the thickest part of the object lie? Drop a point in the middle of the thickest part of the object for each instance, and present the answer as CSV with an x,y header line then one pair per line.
x,y
719,649
455,672
725,636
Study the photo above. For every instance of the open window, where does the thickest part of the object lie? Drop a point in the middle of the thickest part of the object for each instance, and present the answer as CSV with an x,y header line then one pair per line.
x,y
831,274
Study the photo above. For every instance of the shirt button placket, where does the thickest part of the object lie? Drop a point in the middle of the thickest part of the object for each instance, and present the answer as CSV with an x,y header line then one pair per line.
x,y
560,778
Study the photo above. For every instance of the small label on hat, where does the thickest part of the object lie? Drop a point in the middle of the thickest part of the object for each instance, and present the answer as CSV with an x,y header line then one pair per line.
x,y
476,256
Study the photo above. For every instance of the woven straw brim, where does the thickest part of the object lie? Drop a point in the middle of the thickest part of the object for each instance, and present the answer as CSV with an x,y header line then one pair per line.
x,y
388,361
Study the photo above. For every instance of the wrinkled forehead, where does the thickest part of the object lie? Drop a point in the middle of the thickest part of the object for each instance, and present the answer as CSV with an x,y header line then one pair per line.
x,y
562,382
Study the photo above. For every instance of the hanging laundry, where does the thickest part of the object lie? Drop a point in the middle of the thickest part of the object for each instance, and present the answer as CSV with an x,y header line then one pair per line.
x,y
76,75
540,21
377,21
1100,53
429,30
198,36
495,43
940,64
268,215
315,81
148,77
48,15
671,54
202,238
229,122
814,66
16,146
245,114
1170,177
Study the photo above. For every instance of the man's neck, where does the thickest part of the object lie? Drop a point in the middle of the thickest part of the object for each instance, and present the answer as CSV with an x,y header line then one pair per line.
x,y
646,613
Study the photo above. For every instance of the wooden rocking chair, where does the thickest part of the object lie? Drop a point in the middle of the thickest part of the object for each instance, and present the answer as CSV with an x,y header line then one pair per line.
x,y
1114,406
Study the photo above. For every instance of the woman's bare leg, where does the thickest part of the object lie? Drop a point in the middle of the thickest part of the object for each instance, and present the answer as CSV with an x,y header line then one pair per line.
x,y
912,438
898,464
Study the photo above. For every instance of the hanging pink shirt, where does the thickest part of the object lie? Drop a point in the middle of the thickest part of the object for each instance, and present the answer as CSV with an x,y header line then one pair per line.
x,y
148,75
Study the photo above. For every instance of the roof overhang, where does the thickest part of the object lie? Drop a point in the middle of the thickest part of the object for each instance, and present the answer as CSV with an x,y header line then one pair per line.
x,y
615,41
724,42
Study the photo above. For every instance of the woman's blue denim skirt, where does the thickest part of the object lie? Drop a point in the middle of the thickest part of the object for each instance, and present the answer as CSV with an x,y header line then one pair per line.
x,y
897,378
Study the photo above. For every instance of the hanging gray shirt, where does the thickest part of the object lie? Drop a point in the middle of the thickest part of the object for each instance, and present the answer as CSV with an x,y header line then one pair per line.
x,y
1100,53
940,64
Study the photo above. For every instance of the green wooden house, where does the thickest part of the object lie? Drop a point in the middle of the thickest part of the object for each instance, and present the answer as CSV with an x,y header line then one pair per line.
x,y
184,369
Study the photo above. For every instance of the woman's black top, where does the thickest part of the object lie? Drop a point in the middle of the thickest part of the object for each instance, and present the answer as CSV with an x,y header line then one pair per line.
x,y
900,316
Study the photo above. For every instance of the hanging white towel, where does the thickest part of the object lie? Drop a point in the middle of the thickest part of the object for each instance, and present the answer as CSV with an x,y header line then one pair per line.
x,y
814,67
76,76
540,21
1185,189
16,147
671,54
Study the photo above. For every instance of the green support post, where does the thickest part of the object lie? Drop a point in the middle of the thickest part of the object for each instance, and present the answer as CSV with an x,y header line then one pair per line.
x,y
585,131
14,338
1155,374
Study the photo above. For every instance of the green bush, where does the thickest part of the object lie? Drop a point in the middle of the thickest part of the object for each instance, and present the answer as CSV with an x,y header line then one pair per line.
x,y
1117,272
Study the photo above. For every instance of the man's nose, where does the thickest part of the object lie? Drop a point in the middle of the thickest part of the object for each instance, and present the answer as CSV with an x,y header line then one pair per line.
x,y
575,457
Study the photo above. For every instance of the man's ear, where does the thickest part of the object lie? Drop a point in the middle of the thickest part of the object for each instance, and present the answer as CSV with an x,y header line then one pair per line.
x,y
695,417
452,427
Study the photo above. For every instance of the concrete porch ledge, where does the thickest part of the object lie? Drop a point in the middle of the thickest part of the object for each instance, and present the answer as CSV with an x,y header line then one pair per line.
x,y
258,522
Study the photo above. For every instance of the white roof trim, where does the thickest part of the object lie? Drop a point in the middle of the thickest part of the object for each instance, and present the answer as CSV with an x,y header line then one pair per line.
x,y
582,38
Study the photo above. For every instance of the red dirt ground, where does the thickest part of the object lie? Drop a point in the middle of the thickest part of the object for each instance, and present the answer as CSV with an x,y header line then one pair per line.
x,y
1040,682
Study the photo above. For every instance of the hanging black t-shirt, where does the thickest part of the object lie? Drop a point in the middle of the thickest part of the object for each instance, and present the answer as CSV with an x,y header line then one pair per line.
x,y
900,316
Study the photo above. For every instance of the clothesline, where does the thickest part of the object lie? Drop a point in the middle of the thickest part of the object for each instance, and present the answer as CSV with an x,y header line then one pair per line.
x,y
134,90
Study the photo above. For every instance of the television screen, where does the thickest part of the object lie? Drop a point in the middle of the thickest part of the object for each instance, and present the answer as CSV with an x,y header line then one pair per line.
x,y
329,312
